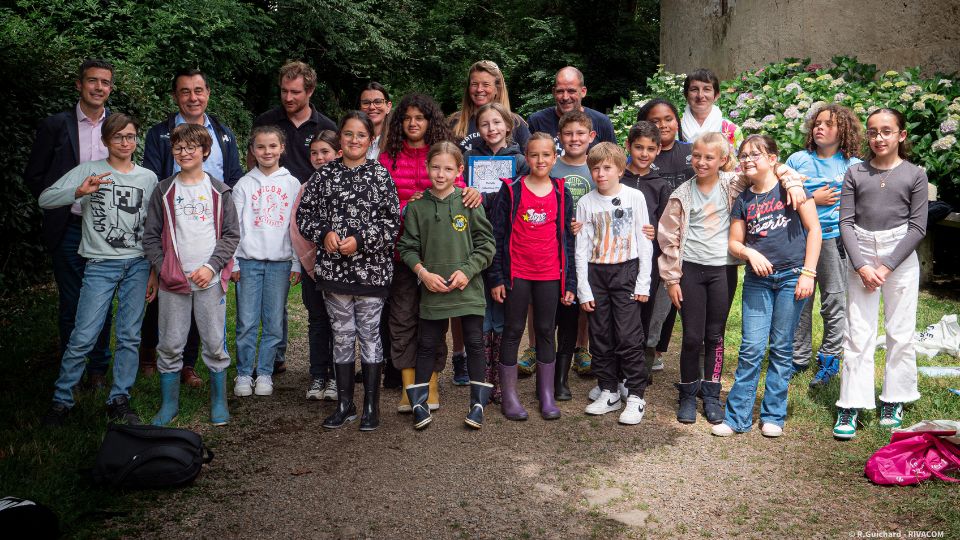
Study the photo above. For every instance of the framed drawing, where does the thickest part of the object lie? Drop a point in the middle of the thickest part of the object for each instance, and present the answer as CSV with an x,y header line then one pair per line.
x,y
485,172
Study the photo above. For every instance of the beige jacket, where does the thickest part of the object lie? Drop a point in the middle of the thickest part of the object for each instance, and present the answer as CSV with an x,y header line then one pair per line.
x,y
672,232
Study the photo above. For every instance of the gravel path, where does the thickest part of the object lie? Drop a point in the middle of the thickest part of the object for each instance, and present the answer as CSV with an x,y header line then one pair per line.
x,y
278,474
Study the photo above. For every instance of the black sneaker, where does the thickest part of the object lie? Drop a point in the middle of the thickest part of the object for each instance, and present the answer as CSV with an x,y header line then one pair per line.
x,y
120,412
56,415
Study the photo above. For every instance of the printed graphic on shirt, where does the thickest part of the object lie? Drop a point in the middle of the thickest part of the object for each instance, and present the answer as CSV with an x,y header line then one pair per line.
x,y
193,207
459,223
765,216
613,236
271,206
118,211
578,186
533,217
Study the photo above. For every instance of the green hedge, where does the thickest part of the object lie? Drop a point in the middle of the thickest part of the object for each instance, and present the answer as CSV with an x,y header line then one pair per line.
x,y
777,98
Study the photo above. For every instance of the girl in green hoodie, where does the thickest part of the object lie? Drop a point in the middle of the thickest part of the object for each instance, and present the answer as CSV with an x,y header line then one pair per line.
x,y
447,245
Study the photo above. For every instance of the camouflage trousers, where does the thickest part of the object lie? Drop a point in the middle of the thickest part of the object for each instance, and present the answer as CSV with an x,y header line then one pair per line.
x,y
354,318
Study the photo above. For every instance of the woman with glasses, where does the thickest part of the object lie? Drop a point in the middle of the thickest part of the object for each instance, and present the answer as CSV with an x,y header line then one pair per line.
x,y
113,195
375,101
485,84
883,217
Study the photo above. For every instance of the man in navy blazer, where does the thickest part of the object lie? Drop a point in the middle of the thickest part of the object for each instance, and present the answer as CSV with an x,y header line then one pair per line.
x,y
64,141
191,93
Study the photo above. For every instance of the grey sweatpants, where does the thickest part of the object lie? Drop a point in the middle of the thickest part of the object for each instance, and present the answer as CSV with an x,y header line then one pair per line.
x,y
352,318
832,282
661,308
209,307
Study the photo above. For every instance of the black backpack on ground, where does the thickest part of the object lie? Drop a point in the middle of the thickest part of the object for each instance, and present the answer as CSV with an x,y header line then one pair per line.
x,y
139,457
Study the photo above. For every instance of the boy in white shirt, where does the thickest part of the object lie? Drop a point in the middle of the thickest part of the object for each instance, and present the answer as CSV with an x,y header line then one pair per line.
x,y
613,261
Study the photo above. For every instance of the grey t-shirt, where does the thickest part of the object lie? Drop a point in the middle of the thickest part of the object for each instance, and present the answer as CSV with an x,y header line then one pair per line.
x,y
878,200
577,178
708,227
113,216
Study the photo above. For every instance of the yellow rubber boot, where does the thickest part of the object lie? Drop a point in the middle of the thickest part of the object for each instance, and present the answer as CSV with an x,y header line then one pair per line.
x,y
433,399
408,377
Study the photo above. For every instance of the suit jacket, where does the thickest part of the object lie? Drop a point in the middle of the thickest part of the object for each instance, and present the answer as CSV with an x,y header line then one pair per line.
x,y
56,150
158,157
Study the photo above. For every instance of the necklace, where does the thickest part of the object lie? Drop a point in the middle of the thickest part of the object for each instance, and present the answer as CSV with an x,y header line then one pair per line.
x,y
883,177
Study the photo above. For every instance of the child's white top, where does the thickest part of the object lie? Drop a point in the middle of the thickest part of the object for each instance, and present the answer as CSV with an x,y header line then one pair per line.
x,y
264,210
195,229
608,239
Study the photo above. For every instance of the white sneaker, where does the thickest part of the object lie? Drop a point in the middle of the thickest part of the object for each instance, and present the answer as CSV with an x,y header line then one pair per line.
x,y
594,393
722,430
243,386
315,392
657,363
607,402
624,393
771,430
330,392
264,385
633,412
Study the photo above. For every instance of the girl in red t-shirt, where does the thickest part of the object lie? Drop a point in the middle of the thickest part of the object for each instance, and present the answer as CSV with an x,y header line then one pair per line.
x,y
533,264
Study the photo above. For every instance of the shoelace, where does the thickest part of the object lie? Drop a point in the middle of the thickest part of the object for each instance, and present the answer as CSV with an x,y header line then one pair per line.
x,y
845,416
887,410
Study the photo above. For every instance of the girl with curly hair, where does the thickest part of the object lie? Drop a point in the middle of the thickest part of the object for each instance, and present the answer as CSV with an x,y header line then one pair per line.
x,y
833,143
413,127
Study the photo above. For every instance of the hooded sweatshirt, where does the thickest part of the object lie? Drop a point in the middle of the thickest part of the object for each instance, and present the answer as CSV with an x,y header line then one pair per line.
x,y
264,209
446,236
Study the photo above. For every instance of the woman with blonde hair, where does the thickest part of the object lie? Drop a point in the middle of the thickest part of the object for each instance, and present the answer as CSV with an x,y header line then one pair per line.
x,y
485,84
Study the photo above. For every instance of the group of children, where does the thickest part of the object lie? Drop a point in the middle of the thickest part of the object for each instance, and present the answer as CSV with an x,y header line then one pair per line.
x,y
388,250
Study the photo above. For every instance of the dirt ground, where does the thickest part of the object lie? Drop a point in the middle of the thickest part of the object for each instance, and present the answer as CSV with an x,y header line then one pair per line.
x,y
278,474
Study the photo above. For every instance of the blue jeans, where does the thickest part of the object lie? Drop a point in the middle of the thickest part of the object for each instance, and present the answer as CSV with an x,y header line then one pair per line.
x,y
102,278
770,314
68,268
261,299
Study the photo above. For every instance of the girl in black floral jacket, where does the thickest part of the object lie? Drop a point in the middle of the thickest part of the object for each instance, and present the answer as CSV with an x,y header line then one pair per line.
x,y
350,209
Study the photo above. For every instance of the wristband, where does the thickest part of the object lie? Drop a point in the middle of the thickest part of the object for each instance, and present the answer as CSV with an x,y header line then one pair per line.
x,y
807,272
422,268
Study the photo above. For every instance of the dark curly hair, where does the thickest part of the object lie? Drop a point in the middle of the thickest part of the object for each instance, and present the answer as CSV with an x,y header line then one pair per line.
x,y
849,130
437,129
644,112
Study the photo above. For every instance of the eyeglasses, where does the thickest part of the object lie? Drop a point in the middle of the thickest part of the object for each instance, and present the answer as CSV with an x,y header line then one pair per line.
x,y
379,102
752,156
884,133
117,139
618,213
185,149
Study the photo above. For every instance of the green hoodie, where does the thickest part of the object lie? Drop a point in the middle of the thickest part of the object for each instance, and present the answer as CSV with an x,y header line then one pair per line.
x,y
446,236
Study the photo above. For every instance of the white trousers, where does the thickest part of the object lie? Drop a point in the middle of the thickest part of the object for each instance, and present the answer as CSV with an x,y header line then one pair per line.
x,y
899,294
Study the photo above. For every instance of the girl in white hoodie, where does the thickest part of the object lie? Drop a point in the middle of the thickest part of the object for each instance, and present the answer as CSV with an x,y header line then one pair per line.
x,y
266,265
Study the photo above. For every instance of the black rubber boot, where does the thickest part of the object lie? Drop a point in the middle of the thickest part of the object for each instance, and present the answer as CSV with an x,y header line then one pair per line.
x,y
561,392
712,409
370,419
346,411
687,411
479,396
391,375
417,394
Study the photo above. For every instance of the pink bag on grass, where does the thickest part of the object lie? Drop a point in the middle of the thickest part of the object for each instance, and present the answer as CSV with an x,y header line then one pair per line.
x,y
912,457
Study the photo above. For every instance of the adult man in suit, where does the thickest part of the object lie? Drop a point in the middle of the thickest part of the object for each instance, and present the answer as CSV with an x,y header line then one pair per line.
x,y
191,92
64,141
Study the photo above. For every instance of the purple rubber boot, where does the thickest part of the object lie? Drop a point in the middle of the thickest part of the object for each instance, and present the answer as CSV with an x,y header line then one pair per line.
x,y
548,407
509,400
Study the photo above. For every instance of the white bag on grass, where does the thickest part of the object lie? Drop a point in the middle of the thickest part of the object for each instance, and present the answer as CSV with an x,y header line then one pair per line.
x,y
940,337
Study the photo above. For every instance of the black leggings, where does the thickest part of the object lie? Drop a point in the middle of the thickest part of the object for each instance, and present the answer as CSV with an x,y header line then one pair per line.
x,y
432,333
707,293
544,295
567,321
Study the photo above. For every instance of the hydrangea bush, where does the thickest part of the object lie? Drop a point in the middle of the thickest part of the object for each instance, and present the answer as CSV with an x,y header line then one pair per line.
x,y
777,98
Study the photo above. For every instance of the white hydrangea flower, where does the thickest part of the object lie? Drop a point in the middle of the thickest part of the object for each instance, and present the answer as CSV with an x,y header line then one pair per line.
x,y
752,123
891,73
919,106
789,125
825,77
872,108
946,83
837,82
793,87
767,88
792,112
802,95
944,143
933,97
886,84
948,126
839,96
803,105
900,84
905,97
912,89
768,118
953,107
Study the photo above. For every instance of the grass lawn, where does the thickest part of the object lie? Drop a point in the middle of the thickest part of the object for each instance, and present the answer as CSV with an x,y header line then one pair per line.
x,y
47,465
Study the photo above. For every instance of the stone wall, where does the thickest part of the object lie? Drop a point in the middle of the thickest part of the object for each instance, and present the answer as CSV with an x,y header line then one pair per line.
x,y
730,36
